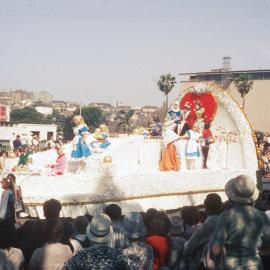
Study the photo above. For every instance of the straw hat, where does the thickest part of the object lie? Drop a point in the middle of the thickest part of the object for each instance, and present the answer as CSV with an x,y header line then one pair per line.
x,y
242,189
99,230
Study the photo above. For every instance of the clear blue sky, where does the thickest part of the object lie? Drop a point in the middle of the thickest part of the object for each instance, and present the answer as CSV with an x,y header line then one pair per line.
x,y
115,50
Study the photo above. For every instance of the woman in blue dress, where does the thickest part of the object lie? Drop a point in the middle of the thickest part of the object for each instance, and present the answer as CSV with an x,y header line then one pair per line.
x,y
80,142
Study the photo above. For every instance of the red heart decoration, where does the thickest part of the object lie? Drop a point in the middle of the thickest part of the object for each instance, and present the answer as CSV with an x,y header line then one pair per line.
x,y
207,101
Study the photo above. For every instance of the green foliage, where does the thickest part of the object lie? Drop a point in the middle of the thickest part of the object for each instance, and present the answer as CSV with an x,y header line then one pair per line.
x,y
125,121
243,84
92,116
165,84
27,115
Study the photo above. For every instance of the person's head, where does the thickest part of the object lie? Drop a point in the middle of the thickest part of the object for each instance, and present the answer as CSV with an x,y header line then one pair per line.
x,y
242,189
175,106
177,227
59,151
7,234
160,224
148,216
213,204
52,208
198,106
104,128
134,228
100,231
114,211
195,128
186,106
4,154
53,230
78,120
7,184
80,224
190,215
207,126
12,177
18,137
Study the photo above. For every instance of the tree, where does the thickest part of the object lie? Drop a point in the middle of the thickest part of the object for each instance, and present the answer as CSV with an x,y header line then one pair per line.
x,y
26,115
165,84
243,85
125,121
92,116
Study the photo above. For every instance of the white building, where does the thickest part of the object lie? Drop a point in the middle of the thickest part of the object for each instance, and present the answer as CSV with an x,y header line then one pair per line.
x,y
44,110
9,131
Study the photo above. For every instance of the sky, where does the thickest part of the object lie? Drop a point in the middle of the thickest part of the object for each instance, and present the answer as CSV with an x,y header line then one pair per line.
x,y
115,50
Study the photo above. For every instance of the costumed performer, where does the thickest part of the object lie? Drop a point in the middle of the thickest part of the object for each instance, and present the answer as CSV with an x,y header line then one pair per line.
x,y
169,158
156,130
192,147
207,140
174,116
80,142
104,132
199,112
185,116
61,163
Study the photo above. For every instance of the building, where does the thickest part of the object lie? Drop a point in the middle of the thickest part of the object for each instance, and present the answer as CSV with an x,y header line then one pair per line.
x,y
149,109
4,113
9,130
43,97
44,110
17,96
256,101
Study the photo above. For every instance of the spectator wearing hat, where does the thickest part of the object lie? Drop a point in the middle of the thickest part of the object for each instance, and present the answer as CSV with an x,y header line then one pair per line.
x,y
195,245
139,255
242,228
119,240
99,255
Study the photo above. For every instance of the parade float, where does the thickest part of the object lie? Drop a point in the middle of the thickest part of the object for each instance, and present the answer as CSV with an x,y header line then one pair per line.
x,y
127,172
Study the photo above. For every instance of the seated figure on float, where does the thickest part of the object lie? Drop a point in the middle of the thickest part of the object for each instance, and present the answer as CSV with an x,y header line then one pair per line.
x,y
82,140
101,137
61,163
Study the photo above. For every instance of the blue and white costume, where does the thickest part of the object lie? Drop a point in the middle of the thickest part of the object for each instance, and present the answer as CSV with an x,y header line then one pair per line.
x,y
192,147
81,148
106,142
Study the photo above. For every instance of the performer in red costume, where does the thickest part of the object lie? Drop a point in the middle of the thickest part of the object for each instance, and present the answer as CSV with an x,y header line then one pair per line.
x,y
61,162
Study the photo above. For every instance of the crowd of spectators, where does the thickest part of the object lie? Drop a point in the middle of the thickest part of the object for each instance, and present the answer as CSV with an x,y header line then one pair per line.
x,y
217,235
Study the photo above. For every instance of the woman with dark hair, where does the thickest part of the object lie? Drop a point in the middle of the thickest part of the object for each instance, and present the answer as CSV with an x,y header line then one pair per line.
x,y
67,239
206,142
11,258
159,240
53,254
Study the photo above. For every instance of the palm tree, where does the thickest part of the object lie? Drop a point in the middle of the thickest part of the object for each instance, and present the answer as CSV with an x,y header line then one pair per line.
x,y
165,85
243,85
125,120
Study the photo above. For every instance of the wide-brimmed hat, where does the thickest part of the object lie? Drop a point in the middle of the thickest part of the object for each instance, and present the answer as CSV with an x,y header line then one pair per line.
x,y
242,189
177,227
100,229
134,226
